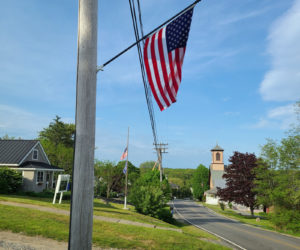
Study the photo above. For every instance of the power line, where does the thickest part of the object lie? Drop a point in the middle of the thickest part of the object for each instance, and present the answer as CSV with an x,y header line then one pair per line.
x,y
142,66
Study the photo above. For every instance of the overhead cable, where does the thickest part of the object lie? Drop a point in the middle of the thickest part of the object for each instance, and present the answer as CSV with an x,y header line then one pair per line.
x,y
142,66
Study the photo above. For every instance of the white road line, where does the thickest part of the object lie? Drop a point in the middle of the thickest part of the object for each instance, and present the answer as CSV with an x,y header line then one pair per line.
x,y
229,241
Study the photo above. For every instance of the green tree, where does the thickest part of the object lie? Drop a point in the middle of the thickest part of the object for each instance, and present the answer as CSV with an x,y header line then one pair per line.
x,y
106,172
150,196
200,181
7,137
58,142
146,166
278,180
112,178
278,175
10,180
133,173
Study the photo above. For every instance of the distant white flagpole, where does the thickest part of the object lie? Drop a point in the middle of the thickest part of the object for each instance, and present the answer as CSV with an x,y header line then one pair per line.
x,y
126,175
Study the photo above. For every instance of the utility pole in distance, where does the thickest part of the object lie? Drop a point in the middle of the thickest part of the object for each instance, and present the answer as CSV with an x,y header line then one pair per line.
x,y
81,219
161,149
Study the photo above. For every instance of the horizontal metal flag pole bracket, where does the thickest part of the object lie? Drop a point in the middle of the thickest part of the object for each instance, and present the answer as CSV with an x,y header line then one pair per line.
x,y
100,68
150,33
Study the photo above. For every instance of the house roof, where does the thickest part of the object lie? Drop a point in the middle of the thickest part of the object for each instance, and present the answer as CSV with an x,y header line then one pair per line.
x,y
14,151
217,148
39,165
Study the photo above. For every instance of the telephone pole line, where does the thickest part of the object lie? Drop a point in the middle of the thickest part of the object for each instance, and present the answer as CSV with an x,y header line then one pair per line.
x,y
160,148
81,219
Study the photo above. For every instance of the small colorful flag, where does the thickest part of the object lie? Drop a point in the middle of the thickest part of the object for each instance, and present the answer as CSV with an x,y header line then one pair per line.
x,y
163,57
125,168
124,155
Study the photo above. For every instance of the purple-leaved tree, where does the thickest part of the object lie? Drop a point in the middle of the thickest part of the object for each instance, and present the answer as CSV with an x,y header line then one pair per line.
x,y
239,177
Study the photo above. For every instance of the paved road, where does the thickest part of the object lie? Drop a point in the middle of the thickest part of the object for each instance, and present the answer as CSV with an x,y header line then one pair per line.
x,y
238,234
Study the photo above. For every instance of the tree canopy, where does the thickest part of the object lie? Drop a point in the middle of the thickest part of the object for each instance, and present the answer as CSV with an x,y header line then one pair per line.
x,y
278,175
112,178
146,166
200,181
239,177
58,142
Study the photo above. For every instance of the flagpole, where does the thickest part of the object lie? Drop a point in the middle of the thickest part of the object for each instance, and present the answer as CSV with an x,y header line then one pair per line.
x,y
145,36
126,175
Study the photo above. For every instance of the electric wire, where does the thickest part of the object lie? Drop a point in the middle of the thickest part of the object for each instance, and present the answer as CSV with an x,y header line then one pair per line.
x,y
142,66
146,89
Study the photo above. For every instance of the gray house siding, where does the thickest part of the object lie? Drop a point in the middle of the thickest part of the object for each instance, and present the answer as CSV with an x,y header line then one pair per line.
x,y
28,184
41,155
30,181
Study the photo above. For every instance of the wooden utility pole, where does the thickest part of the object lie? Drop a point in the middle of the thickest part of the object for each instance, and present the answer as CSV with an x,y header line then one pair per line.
x,y
81,219
161,149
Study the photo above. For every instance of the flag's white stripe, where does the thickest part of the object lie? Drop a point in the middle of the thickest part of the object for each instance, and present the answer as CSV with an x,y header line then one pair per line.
x,y
153,74
159,68
171,80
175,69
165,49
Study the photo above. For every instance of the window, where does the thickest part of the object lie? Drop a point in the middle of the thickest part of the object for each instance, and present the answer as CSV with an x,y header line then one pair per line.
x,y
218,156
48,176
40,176
35,154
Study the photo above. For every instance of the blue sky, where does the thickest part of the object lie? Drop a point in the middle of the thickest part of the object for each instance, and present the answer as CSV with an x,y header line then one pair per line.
x,y
240,76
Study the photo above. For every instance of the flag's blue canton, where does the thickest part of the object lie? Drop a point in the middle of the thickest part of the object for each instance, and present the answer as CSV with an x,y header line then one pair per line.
x,y
177,31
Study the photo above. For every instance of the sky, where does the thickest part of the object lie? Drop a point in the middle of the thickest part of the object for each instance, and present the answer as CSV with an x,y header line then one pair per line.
x,y
240,77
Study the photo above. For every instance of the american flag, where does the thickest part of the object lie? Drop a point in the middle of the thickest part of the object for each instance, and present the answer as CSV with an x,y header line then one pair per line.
x,y
163,57
124,155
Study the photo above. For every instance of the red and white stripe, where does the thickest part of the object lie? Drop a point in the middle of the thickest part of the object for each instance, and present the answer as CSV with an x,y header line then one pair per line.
x,y
163,68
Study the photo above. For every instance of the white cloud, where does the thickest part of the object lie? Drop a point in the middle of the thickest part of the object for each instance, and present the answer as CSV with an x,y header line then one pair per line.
x,y
281,117
282,82
240,17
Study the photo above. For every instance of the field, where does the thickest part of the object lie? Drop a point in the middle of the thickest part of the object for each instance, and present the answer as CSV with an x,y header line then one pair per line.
x,y
105,234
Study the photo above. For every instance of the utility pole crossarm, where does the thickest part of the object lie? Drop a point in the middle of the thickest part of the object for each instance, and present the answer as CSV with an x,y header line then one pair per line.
x,y
160,149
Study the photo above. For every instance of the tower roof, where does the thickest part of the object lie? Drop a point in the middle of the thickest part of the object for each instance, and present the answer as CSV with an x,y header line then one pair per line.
x,y
217,148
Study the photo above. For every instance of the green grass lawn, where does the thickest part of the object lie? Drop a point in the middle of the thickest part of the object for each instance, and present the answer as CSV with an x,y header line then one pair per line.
x,y
263,223
111,210
105,234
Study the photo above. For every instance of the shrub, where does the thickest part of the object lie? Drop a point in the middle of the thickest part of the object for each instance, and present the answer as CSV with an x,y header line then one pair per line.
x,y
263,214
10,181
222,205
150,196
230,205
165,215
286,219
